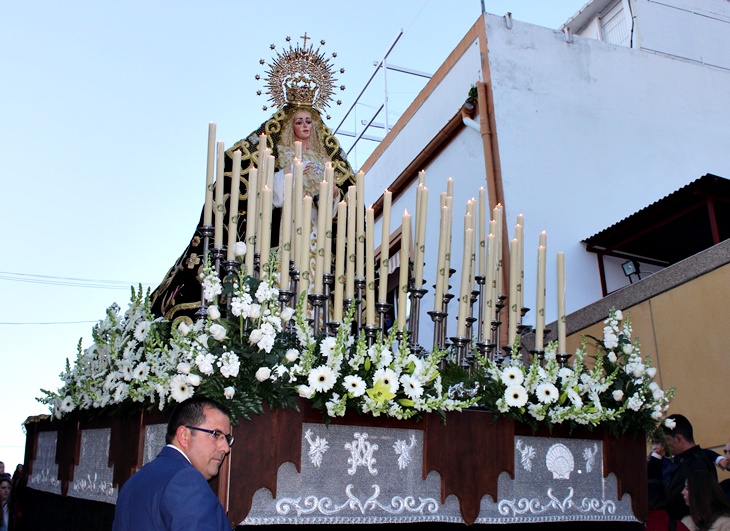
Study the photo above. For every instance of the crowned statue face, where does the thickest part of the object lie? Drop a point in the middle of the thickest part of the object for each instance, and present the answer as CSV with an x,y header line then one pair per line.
x,y
302,124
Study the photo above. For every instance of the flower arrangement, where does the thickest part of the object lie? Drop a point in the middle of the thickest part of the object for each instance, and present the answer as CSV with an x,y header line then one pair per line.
x,y
249,351
614,388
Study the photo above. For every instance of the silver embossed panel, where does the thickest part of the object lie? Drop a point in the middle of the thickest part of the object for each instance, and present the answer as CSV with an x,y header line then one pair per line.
x,y
355,474
93,476
45,469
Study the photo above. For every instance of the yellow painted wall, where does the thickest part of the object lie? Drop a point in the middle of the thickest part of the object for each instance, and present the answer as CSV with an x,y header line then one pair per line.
x,y
686,332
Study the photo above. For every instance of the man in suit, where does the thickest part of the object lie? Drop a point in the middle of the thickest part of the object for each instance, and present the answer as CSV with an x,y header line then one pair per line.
x,y
172,492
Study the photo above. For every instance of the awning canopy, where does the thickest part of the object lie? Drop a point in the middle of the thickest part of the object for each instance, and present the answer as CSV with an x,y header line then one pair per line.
x,y
685,222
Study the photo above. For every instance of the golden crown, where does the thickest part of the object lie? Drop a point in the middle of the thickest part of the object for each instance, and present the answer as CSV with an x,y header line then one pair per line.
x,y
301,76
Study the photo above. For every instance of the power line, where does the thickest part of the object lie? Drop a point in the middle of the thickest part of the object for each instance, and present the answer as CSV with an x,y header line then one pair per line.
x,y
50,323
68,281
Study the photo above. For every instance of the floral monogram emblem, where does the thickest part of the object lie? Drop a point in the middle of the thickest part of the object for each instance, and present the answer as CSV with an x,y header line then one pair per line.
x,y
361,454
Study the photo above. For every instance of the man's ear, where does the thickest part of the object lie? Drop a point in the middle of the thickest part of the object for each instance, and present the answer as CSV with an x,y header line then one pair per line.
x,y
182,436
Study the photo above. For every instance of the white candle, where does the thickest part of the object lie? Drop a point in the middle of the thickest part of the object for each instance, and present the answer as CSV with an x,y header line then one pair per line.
x,y
540,299
520,235
465,292
270,171
441,261
482,232
421,238
321,238
266,200
385,246
561,302
447,254
351,237
422,177
360,253
304,257
405,243
328,202
233,203
370,267
298,205
450,187
513,297
340,258
208,209
498,215
252,209
489,303
286,224
220,204
298,149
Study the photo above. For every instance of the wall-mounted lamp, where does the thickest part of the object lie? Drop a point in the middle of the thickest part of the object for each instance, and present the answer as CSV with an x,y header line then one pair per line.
x,y
631,267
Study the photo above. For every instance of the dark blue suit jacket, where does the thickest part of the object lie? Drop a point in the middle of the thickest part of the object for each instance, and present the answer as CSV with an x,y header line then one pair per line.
x,y
169,493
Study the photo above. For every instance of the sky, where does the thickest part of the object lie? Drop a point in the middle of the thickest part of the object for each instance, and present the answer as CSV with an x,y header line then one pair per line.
x,y
104,119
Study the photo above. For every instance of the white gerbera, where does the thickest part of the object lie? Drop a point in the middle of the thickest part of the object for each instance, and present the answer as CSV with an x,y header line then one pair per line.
x,y
67,404
388,377
141,331
322,379
180,388
354,385
547,393
512,376
412,387
141,371
515,396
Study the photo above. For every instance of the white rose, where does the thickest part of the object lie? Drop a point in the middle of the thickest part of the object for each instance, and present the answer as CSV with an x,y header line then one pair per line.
x,y
618,394
183,329
628,348
255,336
239,249
214,313
218,332
292,355
183,368
305,391
612,357
203,339
228,392
287,313
263,374
618,316
254,311
194,379
669,423
650,372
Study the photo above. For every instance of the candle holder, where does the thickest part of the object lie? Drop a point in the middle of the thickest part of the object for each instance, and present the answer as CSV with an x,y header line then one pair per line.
x,y
382,308
206,231
231,266
294,285
328,283
332,328
445,326
217,254
371,333
460,344
438,324
416,296
538,355
256,265
317,302
480,279
469,323
359,295
562,358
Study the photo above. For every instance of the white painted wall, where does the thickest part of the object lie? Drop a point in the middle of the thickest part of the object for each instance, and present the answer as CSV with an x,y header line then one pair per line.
x,y
588,134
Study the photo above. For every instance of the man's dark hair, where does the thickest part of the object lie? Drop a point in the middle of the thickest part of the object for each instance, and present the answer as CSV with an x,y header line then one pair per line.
x,y
682,427
191,412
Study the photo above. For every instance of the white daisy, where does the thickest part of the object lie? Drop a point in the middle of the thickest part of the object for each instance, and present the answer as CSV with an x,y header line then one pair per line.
x,y
547,393
322,379
515,396
67,405
141,331
141,371
388,377
412,387
512,376
354,385
180,388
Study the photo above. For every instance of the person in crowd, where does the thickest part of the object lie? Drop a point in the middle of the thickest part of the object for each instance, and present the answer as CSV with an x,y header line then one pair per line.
x,y
3,474
709,508
689,457
7,514
172,491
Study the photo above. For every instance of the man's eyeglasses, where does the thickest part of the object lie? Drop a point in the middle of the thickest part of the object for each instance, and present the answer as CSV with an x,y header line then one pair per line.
x,y
217,435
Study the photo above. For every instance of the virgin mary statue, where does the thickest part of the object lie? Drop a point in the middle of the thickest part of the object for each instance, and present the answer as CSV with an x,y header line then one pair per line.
x,y
300,83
